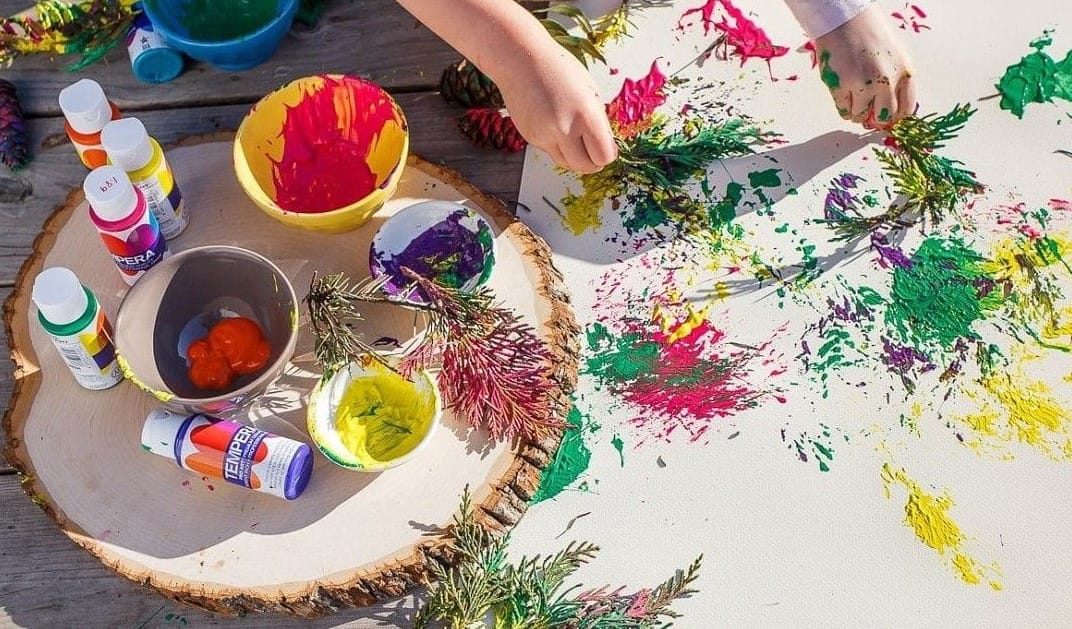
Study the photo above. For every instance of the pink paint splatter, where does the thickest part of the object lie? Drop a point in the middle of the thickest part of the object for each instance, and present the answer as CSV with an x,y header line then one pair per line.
x,y
327,138
1061,205
745,38
633,106
911,17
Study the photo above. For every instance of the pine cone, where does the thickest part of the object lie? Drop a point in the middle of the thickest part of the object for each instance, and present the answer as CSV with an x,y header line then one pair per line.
x,y
464,84
489,127
14,144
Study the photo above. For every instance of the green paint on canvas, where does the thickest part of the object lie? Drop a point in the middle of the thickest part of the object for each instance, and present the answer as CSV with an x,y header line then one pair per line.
x,y
570,460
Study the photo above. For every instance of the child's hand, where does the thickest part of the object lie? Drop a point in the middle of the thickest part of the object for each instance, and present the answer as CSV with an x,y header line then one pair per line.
x,y
556,106
867,71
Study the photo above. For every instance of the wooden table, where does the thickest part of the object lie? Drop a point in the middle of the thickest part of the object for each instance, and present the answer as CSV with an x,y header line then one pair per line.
x,y
45,579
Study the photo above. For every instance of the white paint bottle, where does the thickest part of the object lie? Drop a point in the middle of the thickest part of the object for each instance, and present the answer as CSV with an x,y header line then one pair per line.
x,y
73,319
129,147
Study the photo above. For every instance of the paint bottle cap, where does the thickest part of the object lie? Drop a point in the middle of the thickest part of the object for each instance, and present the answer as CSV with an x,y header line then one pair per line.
x,y
85,106
59,296
159,431
127,143
110,193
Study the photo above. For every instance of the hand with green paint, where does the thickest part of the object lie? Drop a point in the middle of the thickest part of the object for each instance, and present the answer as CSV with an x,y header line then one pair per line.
x,y
868,71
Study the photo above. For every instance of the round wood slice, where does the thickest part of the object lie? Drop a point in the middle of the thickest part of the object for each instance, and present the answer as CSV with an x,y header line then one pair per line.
x,y
353,538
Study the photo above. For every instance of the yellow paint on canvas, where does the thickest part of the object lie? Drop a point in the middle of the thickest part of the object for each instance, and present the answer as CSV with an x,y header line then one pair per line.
x,y
676,328
928,516
1015,408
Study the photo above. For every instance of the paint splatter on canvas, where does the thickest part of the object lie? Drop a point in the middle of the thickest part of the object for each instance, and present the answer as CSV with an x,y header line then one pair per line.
x,y
856,302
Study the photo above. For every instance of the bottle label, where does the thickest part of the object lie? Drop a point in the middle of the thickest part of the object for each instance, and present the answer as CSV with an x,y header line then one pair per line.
x,y
236,453
142,37
92,155
136,249
163,197
90,355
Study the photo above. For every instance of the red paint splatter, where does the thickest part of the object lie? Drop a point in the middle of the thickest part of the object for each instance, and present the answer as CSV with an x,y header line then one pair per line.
x,y
327,138
911,18
745,38
630,111
813,51
1061,205
692,385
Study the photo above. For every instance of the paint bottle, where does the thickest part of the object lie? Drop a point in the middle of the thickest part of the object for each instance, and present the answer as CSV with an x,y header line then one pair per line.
x,y
86,110
128,229
74,320
130,148
151,59
237,453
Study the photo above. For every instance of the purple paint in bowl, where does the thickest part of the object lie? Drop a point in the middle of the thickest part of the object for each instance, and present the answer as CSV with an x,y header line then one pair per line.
x,y
443,241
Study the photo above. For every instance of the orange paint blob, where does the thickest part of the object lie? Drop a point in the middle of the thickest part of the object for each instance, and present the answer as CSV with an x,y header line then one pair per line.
x,y
234,346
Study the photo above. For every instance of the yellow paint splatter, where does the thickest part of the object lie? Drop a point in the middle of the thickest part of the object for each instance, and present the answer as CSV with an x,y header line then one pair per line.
x,y
582,211
1015,408
928,516
676,328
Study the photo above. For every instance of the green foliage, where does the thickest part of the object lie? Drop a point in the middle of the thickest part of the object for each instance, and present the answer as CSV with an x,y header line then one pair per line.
x,y
665,161
582,47
931,187
483,587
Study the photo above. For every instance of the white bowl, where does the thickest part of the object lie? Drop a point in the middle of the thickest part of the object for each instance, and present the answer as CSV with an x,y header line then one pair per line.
x,y
404,416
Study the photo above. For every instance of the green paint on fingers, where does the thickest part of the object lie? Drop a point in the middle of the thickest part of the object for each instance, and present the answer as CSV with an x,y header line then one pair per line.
x,y
883,115
829,77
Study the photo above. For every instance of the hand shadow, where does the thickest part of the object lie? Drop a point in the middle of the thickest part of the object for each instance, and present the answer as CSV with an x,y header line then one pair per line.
x,y
797,165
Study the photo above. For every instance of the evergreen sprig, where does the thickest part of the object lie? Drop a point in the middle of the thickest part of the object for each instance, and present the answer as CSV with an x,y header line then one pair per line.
x,y
332,305
484,588
582,47
495,369
931,187
665,161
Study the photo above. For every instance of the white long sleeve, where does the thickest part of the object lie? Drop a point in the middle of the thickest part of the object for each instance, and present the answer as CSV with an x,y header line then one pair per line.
x,y
819,17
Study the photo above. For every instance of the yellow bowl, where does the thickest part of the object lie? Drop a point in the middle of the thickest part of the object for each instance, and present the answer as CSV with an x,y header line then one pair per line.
x,y
323,152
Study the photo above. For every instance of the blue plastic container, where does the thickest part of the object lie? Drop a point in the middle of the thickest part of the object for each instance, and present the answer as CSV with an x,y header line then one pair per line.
x,y
170,17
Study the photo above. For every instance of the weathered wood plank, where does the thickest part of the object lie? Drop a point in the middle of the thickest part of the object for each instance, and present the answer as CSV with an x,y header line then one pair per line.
x,y
29,196
48,581
372,38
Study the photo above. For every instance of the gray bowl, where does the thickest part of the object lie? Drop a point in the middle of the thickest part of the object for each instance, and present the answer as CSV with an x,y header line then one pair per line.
x,y
179,300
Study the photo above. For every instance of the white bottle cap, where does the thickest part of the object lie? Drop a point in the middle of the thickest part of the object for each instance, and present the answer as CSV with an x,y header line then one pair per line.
x,y
85,106
158,432
110,193
127,143
59,295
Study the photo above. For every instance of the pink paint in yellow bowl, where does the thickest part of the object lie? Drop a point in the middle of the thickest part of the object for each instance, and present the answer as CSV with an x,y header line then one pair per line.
x,y
323,152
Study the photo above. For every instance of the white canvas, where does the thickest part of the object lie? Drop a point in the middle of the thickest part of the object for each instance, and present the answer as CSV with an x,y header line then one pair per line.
x,y
786,543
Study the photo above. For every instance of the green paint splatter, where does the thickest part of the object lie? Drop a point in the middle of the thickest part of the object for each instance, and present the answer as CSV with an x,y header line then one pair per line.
x,y
570,461
625,358
1037,78
765,178
940,296
619,445
829,77
883,114
723,212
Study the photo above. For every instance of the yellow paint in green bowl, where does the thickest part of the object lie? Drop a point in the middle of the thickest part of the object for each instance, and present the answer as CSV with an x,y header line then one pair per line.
x,y
367,417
